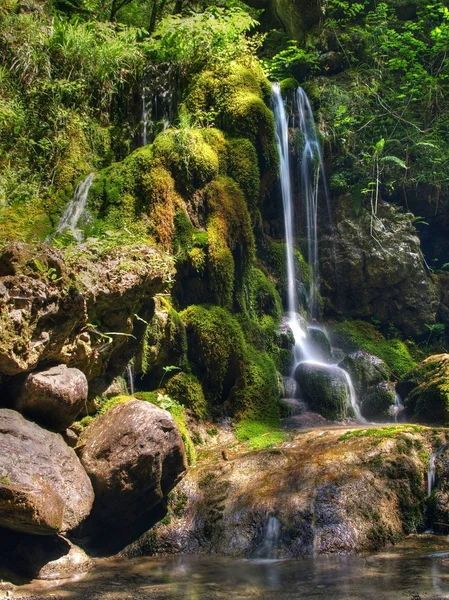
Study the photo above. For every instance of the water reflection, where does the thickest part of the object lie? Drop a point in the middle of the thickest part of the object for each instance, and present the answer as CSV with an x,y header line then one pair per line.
x,y
417,568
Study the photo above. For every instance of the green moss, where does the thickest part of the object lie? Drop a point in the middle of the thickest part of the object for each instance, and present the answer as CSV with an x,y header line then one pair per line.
x,y
389,431
360,335
264,299
229,233
178,414
288,87
426,390
187,390
274,254
259,434
74,162
183,236
164,341
284,360
215,348
243,167
192,161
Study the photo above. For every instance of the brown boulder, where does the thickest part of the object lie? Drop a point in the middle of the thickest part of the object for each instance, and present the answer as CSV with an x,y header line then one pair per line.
x,y
134,455
53,397
43,487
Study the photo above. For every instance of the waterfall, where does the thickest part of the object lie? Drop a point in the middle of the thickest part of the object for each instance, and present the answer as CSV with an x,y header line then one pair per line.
x,y
144,119
75,208
311,167
270,542
398,407
130,377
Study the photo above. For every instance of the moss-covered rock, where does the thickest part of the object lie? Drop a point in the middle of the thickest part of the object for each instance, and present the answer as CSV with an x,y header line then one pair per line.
x,y
361,335
186,390
378,401
366,370
425,390
263,298
325,389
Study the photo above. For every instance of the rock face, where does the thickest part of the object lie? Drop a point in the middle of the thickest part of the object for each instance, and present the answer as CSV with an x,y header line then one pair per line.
x,y
378,402
43,487
425,390
380,275
47,305
323,492
52,397
134,455
325,389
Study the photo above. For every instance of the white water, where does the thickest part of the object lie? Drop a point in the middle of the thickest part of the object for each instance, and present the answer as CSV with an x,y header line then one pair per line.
x,y
75,208
144,119
310,169
270,542
431,469
398,407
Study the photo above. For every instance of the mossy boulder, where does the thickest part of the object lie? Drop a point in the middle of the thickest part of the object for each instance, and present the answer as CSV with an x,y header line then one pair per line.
x,y
361,335
187,390
378,401
318,343
425,390
325,389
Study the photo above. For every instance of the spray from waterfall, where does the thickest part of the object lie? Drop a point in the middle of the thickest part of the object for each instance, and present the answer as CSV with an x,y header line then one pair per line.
x,y
75,208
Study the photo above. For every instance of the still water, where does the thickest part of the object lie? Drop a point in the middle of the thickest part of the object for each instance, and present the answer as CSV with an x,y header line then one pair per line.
x,y
417,569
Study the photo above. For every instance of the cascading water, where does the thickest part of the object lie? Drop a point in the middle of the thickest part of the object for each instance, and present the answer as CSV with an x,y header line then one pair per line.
x,y
144,119
397,408
75,208
311,168
130,377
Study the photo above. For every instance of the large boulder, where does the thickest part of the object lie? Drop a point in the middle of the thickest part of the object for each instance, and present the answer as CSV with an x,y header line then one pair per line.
x,y
134,455
379,401
425,390
373,267
325,389
52,397
43,487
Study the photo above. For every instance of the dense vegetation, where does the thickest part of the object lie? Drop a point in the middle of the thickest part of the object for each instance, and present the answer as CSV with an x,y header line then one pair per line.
x,y
73,76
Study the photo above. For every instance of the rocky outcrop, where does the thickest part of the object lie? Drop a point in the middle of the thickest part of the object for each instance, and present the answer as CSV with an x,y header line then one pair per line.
x,y
134,455
378,402
425,390
325,389
43,487
332,493
80,311
53,397
378,274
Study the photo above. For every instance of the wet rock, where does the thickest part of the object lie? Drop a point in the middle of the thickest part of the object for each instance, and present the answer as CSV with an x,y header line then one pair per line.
x,y
332,62
134,455
43,487
425,390
331,492
42,557
378,402
325,389
377,274
53,397
366,370
319,343
291,387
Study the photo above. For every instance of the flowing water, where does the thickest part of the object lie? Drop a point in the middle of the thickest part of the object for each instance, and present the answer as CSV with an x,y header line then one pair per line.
x,y
310,170
415,569
130,378
75,208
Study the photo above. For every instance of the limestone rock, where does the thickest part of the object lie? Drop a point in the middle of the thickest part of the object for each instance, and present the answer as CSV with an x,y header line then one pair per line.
x,y
43,487
52,397
134,455
42,557
425,390
325,389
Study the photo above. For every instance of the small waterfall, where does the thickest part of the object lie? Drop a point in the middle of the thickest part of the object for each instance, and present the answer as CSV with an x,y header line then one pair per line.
x,y
130,377
270,543
144,119
431,474
310,169
75,208
397,408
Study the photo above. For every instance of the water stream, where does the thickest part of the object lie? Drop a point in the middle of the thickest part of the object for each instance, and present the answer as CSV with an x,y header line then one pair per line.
x,y
75,208
130,378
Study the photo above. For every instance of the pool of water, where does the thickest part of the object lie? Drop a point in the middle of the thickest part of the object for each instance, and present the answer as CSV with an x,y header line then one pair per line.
x,y
416,569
